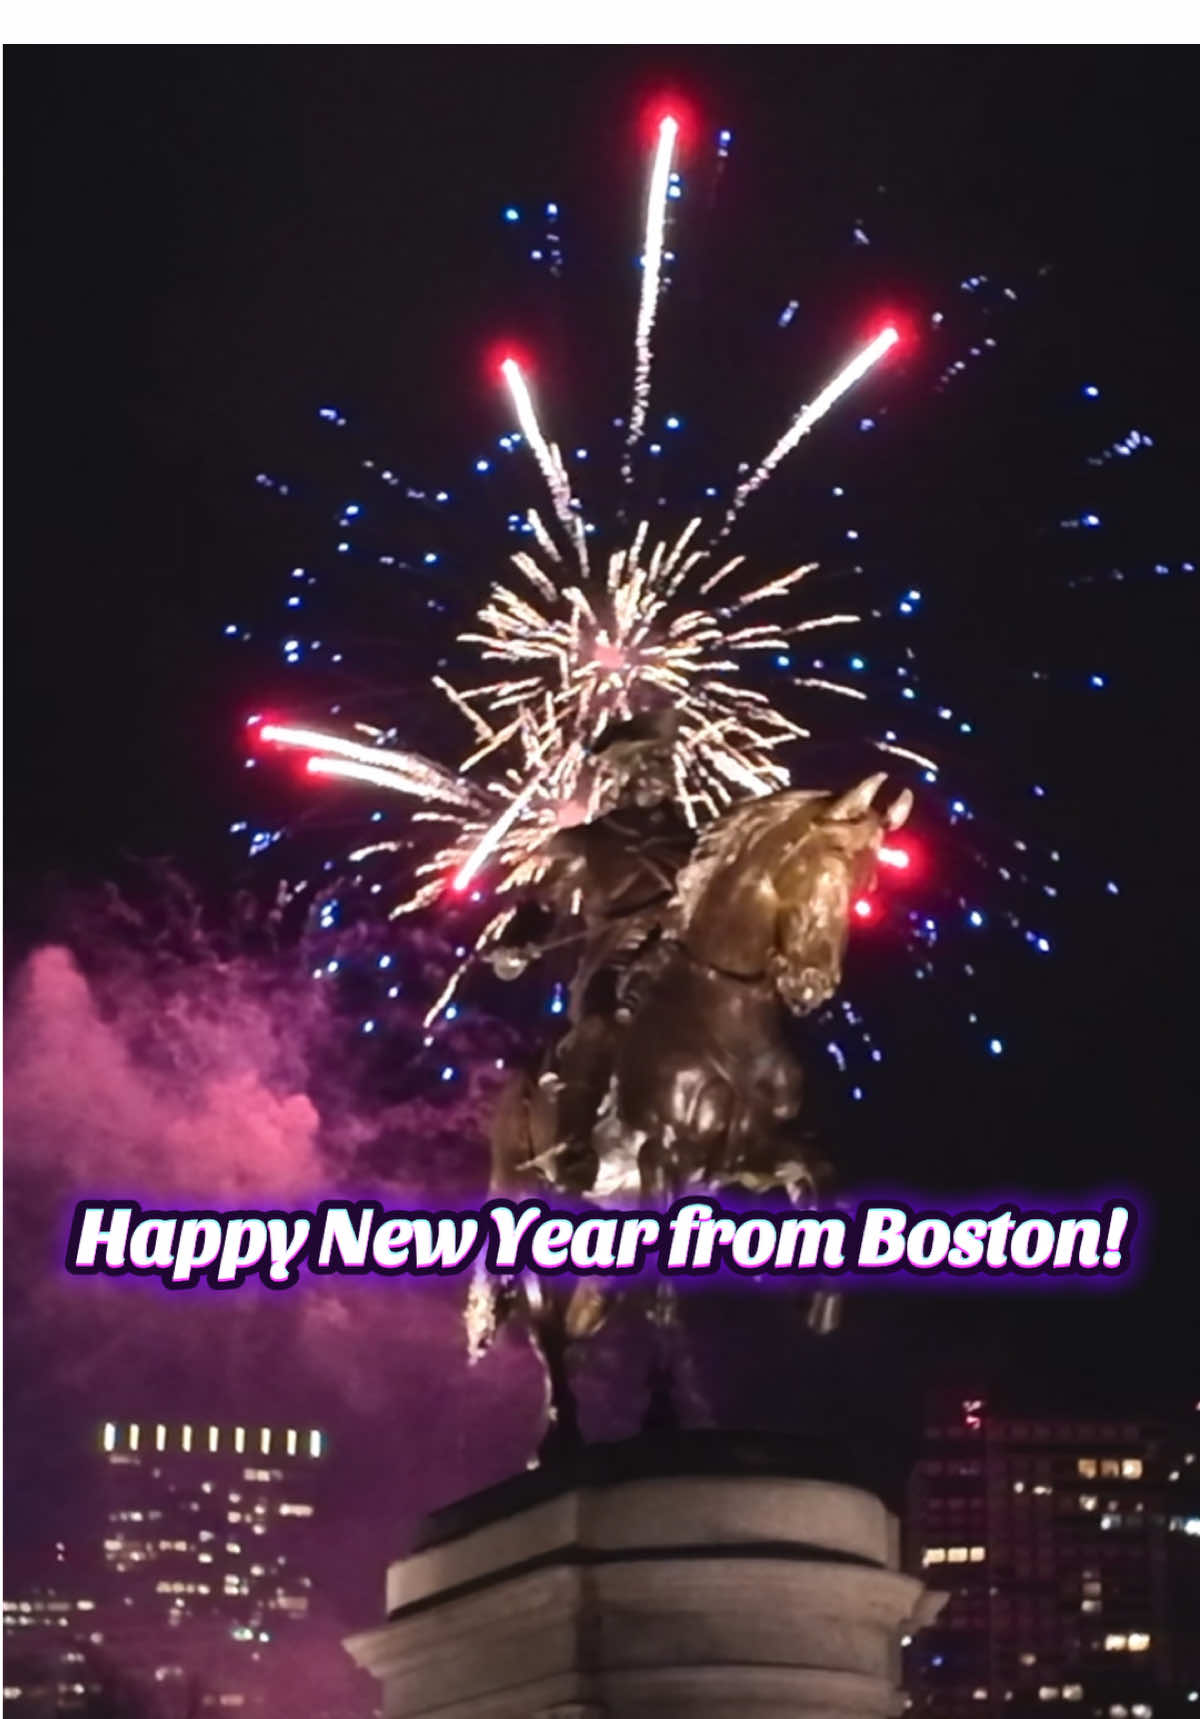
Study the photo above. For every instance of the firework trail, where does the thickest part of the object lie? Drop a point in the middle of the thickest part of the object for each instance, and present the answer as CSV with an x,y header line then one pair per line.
x,y
808,416
652,259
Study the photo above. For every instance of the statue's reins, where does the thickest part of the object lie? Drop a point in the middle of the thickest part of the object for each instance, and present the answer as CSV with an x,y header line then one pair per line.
x,y
759,978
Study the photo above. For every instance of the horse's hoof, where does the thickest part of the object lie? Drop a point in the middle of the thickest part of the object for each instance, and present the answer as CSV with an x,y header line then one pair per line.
x,y
560,1444
824,1313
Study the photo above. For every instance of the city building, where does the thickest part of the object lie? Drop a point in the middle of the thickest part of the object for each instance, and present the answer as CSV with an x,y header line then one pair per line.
x,y
50,1657
1070,1548
207,1555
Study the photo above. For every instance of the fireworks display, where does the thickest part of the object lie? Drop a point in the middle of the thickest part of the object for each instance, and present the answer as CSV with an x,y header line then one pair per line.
x,y
600,620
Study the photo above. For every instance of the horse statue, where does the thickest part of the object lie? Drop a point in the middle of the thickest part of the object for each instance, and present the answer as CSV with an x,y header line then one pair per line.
x,y
676,1071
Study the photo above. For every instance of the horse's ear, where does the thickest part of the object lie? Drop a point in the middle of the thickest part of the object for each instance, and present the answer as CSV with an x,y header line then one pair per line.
x,y
897,812
856,802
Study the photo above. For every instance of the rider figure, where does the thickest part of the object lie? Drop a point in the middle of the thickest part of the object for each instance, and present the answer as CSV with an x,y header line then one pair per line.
x,y
618,874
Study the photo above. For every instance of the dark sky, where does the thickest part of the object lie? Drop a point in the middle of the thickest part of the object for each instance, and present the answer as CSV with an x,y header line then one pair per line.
x,y
206,241
205,244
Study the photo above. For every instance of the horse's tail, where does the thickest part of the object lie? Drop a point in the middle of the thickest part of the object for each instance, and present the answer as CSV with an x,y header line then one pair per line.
x,y
489,1302
515,1142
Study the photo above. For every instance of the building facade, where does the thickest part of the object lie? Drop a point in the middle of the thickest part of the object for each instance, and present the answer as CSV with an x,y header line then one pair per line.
x,y
1072,1560
51,1642
208,1552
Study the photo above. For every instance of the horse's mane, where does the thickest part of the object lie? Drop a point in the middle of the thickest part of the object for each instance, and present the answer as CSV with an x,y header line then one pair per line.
x,y
729,838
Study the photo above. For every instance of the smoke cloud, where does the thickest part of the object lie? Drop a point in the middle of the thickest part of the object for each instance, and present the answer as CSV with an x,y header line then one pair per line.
x,y
175,1080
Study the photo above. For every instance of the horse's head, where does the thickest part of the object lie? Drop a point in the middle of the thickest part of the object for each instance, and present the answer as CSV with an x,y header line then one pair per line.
x,y
831,863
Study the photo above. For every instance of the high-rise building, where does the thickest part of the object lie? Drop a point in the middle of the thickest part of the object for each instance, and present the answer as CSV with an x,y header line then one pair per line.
x,y
1070,1562
1183,1557
207,1554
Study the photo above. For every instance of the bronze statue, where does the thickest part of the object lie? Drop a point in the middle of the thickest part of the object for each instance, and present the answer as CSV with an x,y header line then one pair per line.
x,y
675,1072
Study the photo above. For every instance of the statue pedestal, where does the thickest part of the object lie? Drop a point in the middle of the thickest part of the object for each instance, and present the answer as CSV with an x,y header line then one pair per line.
x,y
664,1578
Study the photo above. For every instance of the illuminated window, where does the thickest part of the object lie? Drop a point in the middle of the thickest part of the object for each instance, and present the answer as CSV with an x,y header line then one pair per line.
x,y
979,1694
1110,1521
265,1441
956,1555
1048,1692
1018,1486
134,1435
1088,1501
291,1441
978,1554
1086,1467
239,1439
186,1436
160,1438
110,1436
1028,1658
1118,1711
1110,1468
1114,1644
314,1444
934,1555
1131,1469
1138,1643
307,1510
214,1438
1141,1710
1072,1691
1089,1605
1091,1587
1042,1491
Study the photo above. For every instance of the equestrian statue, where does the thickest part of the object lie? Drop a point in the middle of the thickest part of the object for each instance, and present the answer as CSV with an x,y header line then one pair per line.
x,y
675,1073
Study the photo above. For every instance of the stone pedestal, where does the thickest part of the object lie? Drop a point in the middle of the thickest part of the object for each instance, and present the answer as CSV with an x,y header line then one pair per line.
x,y
652,1583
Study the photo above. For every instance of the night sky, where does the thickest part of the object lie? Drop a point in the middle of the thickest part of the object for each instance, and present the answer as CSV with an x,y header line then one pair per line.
x,y
207,244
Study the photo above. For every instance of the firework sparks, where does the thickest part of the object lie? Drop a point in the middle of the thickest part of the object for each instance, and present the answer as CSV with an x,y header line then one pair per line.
x,y
405,772
588,657
550,465
808,416
665,620
662,627
652,259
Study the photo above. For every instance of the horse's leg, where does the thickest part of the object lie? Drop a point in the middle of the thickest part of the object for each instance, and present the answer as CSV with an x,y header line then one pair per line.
x,y
588,1307
824,1311
823,1308
584,1065
547,1326
672,1370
